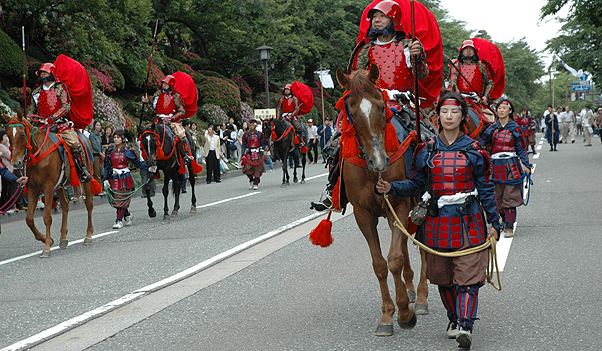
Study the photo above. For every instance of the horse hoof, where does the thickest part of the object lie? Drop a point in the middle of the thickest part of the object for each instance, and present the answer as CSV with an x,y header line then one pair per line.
x,y
409,324
166,217
384,330
421,308
193,209
302,181
152,213
295,180
45,253
411,296
63,244
87,241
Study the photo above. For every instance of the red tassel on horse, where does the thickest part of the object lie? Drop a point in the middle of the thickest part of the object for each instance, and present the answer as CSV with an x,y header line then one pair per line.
x,y
321,235
391,141
196,167
95,187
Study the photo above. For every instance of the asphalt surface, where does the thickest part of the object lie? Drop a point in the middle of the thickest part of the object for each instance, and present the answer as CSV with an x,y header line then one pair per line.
x,y
305,298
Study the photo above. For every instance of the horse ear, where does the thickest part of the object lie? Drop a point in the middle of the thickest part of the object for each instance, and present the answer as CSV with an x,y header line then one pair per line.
x,y
373,74
343,78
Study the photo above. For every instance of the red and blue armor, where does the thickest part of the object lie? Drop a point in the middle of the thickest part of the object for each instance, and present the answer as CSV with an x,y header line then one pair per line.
x,y
450,170
169,103
505,145
116,168
253,142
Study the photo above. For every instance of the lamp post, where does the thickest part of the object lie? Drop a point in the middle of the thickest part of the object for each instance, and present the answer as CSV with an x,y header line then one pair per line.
x,y
264,56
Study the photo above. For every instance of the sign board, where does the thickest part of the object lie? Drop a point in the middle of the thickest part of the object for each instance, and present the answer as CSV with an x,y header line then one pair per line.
x,y
581,85
265,113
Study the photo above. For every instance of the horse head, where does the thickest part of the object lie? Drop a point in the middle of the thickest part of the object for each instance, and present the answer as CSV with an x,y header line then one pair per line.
x,y
148,143
18,132
366,110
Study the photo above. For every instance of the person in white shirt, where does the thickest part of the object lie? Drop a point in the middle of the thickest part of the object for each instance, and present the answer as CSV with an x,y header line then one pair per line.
x,y
588,129
566,125
212,153
312,136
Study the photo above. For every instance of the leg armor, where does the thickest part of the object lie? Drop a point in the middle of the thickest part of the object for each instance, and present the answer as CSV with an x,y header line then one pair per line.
x,y
467,301
332,150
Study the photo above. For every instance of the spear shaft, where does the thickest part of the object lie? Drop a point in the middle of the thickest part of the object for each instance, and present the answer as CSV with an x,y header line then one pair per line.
x,y
148,70
24,71
415,71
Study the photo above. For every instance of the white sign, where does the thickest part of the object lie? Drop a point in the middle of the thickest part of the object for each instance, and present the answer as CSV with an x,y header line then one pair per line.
x,y
265,113
325,78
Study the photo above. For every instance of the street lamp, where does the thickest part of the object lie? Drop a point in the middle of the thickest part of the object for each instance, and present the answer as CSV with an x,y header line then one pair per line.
x,y
264,56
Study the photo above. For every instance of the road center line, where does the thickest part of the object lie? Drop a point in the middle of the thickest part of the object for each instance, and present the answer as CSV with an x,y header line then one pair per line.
x,y
317,176
97,312
229,199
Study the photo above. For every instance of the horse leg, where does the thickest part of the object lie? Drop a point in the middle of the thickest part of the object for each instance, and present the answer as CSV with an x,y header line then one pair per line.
x,y
285,176
367,224
295,163
89,207
33,195
408,272
422,306
149,202
48,192
303,163
177,190
165,197
192,181
64,242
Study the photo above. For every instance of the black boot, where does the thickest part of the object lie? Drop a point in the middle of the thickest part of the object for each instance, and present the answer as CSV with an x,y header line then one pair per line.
x,y
80,167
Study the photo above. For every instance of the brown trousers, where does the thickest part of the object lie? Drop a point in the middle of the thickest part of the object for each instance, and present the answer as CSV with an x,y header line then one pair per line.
x,y
461,271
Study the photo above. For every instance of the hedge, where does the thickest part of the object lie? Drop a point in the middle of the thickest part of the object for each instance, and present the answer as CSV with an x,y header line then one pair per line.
x,y
11,58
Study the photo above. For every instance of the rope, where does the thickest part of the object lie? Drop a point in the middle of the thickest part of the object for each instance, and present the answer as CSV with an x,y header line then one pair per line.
x,y
126,194
13,200
527,187
489,244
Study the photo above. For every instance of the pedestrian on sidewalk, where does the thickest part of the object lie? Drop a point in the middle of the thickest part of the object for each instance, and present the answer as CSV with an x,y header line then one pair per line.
x,y
453,169
588,126
312,134
510,163
325,131
552,133
252,161
118,178
566,125
96,143
598,122
212,154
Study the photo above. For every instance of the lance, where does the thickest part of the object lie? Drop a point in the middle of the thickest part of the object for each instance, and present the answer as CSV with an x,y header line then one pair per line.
x,y
24,71
415,71
148,70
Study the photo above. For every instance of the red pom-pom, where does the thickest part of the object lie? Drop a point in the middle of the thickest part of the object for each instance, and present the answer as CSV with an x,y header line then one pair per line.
x,y
196,167
321,235
95,187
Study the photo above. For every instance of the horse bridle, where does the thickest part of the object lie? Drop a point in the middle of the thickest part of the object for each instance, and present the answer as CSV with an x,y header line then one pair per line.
x,y
363,154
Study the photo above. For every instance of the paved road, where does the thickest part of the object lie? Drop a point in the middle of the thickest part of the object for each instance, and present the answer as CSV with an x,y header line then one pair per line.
x,y
285,294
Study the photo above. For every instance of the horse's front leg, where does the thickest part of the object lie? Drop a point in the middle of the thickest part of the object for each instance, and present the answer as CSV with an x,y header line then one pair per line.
x,y
367,222
177,190
64,242
149,202
396,261
48,192
33,194
295,163
192,180
285,177
165,196
303,163
89,207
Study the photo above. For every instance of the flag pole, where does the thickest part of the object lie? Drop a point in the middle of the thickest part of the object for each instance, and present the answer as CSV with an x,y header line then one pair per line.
x,y
24,71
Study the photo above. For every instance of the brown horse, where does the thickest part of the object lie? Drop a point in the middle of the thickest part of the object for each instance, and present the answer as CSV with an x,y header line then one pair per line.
x,y
366,106
38,157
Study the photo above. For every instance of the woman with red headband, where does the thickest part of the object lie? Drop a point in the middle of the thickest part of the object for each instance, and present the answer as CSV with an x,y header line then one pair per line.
x,y
510,163
454,171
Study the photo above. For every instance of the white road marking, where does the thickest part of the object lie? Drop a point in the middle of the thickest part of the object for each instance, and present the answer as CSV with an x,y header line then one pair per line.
x,y
533,169
78,241
503,249
536,156
229,199
541,142
317,176
538,148
78,320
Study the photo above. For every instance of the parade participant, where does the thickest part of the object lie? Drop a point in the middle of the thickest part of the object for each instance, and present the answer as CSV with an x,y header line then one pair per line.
x,y
118,179
252,161
468,74
453,170
288,108
169,107
588,126
598,122
527,126
566,125
552,133
51,103
503,140
386,48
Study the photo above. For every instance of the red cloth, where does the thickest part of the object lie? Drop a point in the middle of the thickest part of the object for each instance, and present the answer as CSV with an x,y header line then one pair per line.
x,y
187,89
427,31
305,96
77,81
491,56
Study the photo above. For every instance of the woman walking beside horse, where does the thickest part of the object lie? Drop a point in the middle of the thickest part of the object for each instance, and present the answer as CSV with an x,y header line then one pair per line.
x,y
454,171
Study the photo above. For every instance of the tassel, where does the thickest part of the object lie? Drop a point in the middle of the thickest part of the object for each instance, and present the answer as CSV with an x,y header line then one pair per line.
x,y
196,168
391,141
95,187
321,235
274,136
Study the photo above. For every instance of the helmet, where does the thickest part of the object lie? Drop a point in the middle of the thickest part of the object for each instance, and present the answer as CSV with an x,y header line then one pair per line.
x,y
170,80
46,67
468,44
288,86
391,9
